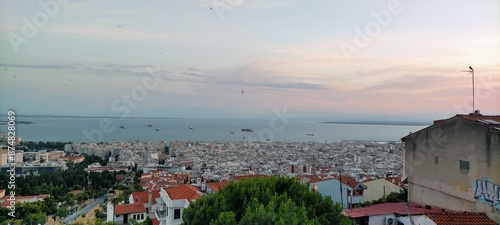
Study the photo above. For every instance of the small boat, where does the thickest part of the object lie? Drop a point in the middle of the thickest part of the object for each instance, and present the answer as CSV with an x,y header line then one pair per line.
x,y
311,134
157,129
231,132
150,125
191,127
123,126
247,129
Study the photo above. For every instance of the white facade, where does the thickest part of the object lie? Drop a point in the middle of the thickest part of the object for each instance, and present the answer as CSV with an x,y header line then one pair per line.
x,y
168,211
123,218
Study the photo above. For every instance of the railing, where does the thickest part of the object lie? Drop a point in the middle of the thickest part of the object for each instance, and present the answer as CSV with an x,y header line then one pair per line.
x,y
161,214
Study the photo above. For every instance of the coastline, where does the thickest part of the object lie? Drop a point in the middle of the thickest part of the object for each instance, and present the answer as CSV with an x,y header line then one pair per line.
x,y
381,123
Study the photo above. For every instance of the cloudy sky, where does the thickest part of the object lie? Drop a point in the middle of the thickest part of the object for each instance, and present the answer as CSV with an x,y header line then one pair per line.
x,y
248,57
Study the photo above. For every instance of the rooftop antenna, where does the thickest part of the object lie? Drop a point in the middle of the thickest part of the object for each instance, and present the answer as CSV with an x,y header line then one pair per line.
x,y
471,70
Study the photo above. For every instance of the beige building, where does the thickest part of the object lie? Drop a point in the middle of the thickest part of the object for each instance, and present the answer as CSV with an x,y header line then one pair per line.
x,y
455,164
376,189
49,156
19,156
3,157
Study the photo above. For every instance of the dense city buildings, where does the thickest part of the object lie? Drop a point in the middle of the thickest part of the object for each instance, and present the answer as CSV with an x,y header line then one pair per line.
x,y
219,160
447,170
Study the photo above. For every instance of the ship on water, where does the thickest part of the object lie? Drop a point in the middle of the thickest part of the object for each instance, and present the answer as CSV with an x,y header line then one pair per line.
x,y
123,126
247,129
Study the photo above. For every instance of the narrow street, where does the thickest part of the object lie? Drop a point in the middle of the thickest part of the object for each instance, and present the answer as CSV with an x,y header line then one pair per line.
x,y
86,209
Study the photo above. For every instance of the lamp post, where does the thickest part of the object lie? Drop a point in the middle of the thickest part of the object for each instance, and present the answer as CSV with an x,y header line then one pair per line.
x,y
471,70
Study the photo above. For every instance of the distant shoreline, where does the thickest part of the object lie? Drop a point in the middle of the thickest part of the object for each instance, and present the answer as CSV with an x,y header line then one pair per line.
x,y
381,123
18,122
93,117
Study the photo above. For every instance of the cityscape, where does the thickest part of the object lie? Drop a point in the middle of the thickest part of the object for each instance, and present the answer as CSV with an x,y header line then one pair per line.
x,y
245,112
151,180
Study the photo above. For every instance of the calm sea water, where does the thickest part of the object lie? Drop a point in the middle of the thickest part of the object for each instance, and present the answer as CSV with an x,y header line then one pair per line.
x,y
73,129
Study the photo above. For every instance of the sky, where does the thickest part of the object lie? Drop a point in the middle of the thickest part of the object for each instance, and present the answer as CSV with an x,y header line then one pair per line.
x,y
232,58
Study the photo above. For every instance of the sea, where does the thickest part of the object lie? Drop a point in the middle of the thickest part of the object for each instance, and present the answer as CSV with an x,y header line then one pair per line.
x,y
93,129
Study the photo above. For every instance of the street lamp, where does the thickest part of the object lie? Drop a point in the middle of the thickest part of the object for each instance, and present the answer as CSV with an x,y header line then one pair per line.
x,y
471,70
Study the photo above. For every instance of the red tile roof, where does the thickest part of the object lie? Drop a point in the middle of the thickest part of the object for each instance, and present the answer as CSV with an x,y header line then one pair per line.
x,y
460,218
184,191
485,120
395,180
156,221
129,208
398,208
349,181
215,186
476,117
142,196
310,178
22,199
315,178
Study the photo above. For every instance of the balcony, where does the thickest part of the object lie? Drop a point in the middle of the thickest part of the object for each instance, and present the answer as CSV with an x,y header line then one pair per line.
x,y
161,214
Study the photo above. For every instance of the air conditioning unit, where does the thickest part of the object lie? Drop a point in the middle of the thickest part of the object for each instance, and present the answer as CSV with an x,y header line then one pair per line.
x,y
390,220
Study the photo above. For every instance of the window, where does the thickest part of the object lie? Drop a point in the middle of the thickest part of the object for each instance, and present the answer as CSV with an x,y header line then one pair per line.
x,y
142,216
436,160
177,214
464,166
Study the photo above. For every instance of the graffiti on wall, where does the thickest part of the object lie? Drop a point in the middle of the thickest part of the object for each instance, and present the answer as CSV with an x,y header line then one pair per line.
x,y
487,192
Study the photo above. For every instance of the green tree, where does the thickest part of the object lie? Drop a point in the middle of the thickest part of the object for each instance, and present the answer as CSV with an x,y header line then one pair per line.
x,y
50,205
4,214
391,197
272,200
62,211
225,218
36,218
12,222
148,221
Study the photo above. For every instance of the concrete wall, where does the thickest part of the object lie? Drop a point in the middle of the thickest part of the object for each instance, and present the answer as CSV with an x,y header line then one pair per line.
x,y
432,164
375,189
110,212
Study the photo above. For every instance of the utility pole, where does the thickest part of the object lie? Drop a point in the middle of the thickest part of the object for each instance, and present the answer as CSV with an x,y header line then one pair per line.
x,y
471,70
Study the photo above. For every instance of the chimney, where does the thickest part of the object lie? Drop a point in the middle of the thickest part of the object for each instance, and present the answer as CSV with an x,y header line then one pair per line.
x,y
203,186
357,177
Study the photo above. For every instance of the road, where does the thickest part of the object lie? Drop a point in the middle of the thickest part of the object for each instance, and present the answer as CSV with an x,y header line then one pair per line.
x,y
75,215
